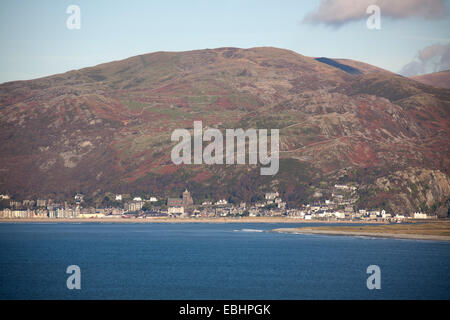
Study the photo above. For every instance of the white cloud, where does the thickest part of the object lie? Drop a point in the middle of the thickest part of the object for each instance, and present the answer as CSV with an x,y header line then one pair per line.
x,y
339,12
434,58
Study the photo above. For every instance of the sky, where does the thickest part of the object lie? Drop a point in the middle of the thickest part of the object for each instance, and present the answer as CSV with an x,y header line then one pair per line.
x,y
413,38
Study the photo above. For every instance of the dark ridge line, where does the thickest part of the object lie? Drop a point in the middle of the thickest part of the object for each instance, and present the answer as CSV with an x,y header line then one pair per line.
x,y
338,65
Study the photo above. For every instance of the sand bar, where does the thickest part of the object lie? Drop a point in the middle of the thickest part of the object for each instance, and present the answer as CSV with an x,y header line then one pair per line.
x,y
364,234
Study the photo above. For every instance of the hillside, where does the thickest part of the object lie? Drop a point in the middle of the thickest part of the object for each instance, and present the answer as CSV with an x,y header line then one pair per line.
x,y
107,128
436,79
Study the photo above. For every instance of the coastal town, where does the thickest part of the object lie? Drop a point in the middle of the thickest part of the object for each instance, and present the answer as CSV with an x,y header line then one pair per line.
x,y
340,207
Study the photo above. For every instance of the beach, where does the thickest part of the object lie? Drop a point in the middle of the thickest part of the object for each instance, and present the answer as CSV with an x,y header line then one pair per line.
x,y
438,231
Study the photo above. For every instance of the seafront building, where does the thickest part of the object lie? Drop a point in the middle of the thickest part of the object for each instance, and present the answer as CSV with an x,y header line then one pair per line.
x,y
340,206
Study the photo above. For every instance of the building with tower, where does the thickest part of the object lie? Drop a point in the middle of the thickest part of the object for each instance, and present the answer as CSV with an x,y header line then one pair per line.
x,y
180,205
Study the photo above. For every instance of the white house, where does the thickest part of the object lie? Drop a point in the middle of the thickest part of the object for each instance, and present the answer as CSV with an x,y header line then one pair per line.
x,y
175,210
385,215
339,215
271,195
420,215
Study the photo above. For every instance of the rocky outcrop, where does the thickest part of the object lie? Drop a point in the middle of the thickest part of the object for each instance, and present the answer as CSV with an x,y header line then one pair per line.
x,y
411,190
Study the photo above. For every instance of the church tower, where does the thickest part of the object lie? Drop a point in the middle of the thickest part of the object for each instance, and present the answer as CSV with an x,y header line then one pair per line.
x,y
187,199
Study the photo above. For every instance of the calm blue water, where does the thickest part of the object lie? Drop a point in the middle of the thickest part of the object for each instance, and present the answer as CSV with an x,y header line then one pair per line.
x,y
213,261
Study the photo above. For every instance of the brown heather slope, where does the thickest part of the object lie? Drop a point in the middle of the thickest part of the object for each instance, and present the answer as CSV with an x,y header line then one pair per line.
x,y
436,79
108,127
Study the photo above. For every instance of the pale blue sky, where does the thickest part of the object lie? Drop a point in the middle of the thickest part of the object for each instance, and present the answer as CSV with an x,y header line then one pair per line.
x,y
36,42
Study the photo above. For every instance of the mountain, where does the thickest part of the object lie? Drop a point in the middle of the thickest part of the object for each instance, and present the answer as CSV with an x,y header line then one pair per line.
x,y
437,79
107,128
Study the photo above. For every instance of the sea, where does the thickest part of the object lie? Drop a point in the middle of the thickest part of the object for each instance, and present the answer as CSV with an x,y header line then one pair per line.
x,y
213,261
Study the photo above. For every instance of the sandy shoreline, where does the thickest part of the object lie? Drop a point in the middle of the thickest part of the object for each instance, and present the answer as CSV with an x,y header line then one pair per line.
x,y
180,220
364,234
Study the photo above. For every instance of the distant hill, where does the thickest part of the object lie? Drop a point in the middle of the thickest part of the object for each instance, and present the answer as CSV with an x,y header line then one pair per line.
x,y
107,128
436,79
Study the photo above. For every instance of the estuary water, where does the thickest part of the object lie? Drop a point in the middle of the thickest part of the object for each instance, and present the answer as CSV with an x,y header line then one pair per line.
x,y
213,261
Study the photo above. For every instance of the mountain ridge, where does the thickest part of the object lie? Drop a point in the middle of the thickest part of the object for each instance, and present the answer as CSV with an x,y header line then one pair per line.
x,y
107,128
439,79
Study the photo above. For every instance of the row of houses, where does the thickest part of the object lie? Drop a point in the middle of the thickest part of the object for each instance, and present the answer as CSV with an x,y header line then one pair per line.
x,y
312,212
23,214
123,197
271,205
60,213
